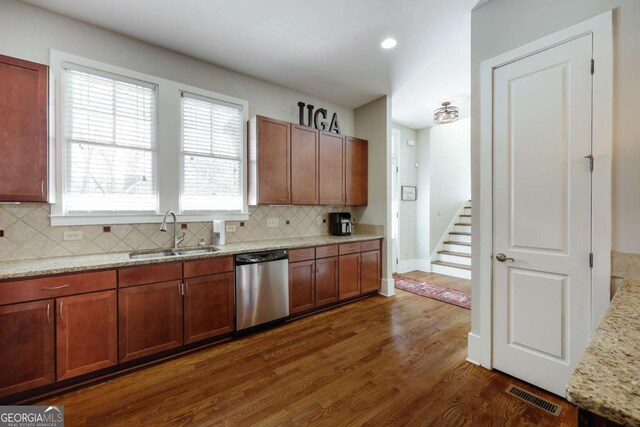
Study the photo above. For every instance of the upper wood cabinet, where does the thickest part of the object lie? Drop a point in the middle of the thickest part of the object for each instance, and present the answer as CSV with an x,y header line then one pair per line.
x,y
331,169
356,171
304,165
269,161
23,131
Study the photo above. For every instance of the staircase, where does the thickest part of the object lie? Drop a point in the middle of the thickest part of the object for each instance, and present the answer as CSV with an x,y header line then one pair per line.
x,y
454,255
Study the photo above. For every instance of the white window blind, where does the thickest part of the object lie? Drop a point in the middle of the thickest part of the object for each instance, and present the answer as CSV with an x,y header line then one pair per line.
x,y
110,142
211,154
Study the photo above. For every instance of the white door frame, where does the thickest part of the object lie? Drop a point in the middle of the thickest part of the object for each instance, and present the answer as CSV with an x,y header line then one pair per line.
x,y
601,28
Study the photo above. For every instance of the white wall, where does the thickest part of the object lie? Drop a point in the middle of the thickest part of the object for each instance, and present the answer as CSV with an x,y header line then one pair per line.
x,y
423,206
501,25
29,32
373,122
450,174
407,158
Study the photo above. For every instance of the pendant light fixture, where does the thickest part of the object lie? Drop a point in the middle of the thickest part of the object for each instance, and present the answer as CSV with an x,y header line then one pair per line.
x,y
446,114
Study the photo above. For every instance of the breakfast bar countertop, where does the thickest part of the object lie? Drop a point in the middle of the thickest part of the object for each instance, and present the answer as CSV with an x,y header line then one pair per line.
x,y
61,265
607,379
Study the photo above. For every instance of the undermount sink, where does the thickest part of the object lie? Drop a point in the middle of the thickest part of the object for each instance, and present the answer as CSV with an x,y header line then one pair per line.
x,y
166,253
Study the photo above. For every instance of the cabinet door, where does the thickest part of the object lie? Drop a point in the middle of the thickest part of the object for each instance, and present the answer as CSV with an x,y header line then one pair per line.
x,y
326,281
26,350
301,286
370,271
356,171
86,328
23,131
274,172
150,319
331,169
208,307
349,276
304,165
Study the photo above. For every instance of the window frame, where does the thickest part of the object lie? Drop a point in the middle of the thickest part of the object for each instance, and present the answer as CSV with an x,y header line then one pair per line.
x,y
168,163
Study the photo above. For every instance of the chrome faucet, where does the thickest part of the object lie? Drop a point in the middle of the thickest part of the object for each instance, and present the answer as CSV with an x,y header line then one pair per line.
x,y
163,227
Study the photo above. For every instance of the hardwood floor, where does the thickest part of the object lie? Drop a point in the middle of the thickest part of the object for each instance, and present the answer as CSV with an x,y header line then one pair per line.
x,y
440,279
380,361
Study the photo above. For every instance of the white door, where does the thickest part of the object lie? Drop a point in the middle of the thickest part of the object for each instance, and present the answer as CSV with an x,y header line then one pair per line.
x,y
542,214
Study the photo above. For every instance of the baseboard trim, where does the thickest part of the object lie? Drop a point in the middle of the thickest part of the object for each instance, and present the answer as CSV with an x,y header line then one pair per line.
x,y
387,288
474,348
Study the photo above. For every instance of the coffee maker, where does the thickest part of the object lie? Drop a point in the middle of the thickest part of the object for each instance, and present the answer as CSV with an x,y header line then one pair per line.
x,y
340,223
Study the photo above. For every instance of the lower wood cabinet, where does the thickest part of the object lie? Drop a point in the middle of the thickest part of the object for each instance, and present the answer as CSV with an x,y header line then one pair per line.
x,y
326,281
27,346
86,333
150,319
302,281
370,271
349,273
208,306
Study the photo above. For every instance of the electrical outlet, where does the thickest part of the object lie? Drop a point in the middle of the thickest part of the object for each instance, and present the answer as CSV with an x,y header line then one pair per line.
x,y
72,235
230,228
272,222
319,220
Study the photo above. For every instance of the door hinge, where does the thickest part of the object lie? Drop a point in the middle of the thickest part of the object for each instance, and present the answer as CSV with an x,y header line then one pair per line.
x,y
396,260
591,260
397,169
593,66
590,157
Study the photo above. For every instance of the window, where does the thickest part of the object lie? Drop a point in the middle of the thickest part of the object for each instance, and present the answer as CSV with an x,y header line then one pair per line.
x,y
212,134
110,142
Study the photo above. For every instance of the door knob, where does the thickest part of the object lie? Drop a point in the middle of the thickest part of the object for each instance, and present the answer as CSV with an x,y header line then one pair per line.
x,y
502,257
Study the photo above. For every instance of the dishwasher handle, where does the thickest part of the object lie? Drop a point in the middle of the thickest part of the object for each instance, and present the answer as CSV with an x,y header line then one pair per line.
x,y
259,257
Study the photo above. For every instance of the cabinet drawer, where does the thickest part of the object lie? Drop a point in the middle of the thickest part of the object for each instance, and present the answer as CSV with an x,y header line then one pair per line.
x,y
152,273
349,248
326,251
57,286
208,266
305,254
371,245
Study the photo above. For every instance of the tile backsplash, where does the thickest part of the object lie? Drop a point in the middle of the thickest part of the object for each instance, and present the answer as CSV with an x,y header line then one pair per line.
x,y
27,233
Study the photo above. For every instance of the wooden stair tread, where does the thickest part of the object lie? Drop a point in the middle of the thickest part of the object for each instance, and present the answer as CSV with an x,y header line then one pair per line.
x,y
463,223
460,254
466,216
460,233
452,265
453,242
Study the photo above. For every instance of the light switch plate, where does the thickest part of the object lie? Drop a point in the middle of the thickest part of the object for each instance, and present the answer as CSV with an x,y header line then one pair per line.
x,y
72,235
230,228
272,222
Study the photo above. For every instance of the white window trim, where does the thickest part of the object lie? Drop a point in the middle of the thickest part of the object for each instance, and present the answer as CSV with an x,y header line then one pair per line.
x,y
169,148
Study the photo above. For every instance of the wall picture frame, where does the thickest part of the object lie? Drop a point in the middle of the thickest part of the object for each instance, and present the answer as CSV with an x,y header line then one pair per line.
x,y
409,192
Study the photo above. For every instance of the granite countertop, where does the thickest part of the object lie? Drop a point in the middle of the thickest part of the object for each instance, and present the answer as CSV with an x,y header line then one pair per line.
x,y
607,379
47,266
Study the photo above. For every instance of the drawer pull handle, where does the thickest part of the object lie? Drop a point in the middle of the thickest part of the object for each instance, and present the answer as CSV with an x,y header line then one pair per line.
x,y
54,288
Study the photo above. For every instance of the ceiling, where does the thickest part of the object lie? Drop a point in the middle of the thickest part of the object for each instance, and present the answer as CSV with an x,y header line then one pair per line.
x,y
329,48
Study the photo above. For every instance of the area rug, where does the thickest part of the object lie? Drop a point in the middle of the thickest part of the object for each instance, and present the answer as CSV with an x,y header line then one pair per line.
x,y
429,290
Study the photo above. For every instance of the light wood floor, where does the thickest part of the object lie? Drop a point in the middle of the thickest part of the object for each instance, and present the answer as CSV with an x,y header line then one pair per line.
x,y
381,361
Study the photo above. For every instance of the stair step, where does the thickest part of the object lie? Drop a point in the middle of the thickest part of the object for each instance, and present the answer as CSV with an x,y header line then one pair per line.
x,y
460,254
465,216
460,233
467,224
452,265
453,242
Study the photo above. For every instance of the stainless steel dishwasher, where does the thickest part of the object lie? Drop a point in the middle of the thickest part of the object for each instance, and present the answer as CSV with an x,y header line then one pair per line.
x,y
262,288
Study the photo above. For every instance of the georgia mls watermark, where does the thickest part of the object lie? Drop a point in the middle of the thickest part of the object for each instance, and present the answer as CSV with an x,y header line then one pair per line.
x,y
31,416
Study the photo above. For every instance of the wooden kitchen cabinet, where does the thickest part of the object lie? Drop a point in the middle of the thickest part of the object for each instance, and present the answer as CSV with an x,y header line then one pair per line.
x,y
331,166
304,165
349,276
370,271
302,286
326,281
356,171
269,161
150,318
208,306
86,333
27,350
23,131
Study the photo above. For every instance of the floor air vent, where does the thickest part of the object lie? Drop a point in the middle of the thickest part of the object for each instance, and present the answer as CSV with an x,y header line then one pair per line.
x,y
534,400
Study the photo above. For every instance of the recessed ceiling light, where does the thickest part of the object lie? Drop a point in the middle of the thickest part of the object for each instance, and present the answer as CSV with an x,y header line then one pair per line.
x,y
388,43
